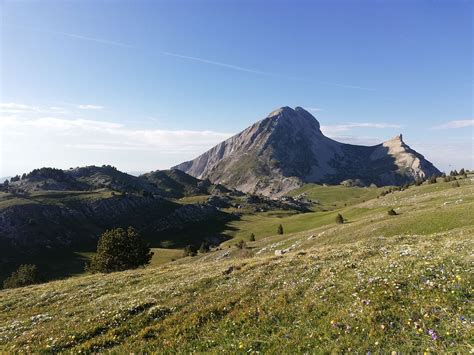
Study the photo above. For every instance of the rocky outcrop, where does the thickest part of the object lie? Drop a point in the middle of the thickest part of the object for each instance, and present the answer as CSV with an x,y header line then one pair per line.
x,y
287,149
58,225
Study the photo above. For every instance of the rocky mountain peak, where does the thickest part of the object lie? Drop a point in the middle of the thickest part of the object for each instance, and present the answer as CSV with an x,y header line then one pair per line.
x,y
287,149
297,118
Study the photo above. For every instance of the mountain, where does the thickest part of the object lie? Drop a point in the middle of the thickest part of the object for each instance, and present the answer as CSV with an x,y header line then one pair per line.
x,y
287,149
177,184
55,208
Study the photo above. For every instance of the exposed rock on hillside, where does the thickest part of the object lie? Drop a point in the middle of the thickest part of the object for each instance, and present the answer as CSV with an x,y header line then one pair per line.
x,y
288,149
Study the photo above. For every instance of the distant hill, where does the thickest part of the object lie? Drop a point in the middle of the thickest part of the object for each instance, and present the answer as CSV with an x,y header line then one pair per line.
x,y
287,149
164,183
53,208
177,184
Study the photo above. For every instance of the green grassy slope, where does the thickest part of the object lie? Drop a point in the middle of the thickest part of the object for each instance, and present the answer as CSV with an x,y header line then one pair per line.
x,y
377,283
336,196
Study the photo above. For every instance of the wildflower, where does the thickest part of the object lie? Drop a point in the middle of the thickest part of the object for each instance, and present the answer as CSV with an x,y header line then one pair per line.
x,y
433,334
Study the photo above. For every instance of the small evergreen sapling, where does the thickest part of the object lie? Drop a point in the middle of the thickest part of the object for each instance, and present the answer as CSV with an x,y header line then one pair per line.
x,y
280,229
392,212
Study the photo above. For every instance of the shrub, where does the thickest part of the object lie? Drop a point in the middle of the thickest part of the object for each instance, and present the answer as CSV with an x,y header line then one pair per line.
x,y
204,248
280,229
252,237
24,276
392,212
190,250
456,184
419,182
339,219
241,244
119,250
432,179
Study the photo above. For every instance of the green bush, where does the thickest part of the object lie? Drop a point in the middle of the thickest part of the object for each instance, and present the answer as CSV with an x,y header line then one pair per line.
x,y
280,229
119,250
204,248
339,219
190,250
432,179
252,237
419,182
24,276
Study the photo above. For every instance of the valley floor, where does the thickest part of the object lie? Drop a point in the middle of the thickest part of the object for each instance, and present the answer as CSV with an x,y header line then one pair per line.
x,y
376,283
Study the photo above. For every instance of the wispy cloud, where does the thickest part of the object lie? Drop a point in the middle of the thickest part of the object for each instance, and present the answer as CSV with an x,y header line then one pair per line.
x,y
72,35
65,142
456,124
187,57
90,107
261,72
13,108
225,65
330,130
313,109
362,140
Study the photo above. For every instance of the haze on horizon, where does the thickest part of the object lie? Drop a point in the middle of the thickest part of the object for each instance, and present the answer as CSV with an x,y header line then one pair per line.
x,y
147,85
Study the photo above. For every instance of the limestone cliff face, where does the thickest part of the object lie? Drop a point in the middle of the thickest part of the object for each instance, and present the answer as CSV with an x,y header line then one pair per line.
x,y
287,149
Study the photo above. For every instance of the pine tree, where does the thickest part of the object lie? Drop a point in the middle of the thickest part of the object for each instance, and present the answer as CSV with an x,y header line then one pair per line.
x,y
392,212
24,276
252,237
119,250
339,219
280,229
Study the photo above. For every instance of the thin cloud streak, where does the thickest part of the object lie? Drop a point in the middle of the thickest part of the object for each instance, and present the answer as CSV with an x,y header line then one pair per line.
x,y
456,124
197,59
260,72
332,129
73,35
225,65
90,107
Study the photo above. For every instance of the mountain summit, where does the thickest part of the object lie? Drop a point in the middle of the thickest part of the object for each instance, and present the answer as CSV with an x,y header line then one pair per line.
x,y
287,149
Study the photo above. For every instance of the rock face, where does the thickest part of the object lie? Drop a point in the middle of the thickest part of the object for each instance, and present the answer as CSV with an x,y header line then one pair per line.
x,y
288,149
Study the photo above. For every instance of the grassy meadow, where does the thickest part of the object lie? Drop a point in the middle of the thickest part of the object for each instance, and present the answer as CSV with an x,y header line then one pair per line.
x,y
376,283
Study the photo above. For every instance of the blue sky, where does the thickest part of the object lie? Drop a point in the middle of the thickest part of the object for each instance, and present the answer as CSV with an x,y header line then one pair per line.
x,y
144,85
